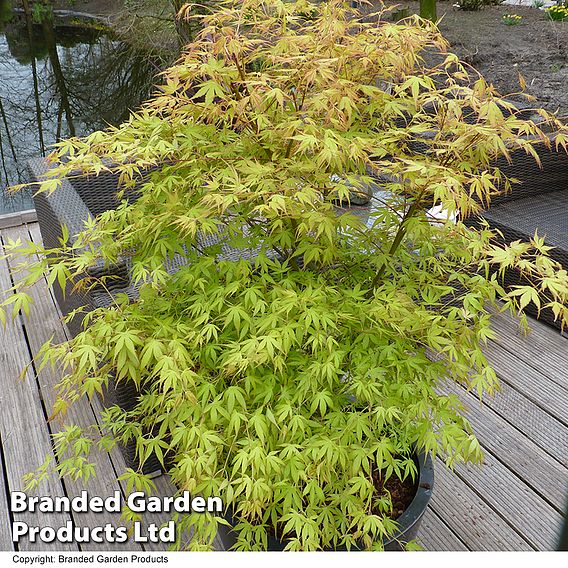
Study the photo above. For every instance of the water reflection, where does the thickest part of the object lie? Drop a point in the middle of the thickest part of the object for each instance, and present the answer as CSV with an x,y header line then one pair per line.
x,y
58,81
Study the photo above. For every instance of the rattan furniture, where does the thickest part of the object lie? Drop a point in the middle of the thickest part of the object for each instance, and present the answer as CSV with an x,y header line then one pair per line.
x,y
539,202
71,205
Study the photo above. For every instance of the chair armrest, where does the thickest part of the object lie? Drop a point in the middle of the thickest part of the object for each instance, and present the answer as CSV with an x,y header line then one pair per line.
x,y
65,207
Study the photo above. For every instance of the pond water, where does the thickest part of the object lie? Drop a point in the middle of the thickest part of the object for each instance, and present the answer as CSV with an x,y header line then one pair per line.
x,y
58,81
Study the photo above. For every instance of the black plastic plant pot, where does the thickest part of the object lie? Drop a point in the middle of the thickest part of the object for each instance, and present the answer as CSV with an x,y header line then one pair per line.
x,y
408,522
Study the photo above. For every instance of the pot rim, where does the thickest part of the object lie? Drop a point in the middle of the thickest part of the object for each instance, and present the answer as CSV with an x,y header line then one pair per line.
x,y
409,518
414,512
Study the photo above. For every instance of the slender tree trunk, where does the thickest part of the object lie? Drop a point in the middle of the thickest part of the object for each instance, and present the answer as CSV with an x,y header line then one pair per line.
x,y
29,25
2,156
59,123
3,160
49,35
428,9
7,128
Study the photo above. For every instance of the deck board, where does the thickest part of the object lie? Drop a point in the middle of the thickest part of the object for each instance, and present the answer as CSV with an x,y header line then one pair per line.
x,y
503,490
538,469
5,522
80,414
543,348
474,521
545,430
513,502
23,428
436,535
534,385
110,465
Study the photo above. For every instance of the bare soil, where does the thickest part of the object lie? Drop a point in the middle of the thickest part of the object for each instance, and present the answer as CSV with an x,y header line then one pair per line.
x,y
96,7
537,48
401,492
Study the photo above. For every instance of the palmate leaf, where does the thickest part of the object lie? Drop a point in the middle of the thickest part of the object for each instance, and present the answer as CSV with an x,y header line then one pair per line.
x,y
322,401
20,301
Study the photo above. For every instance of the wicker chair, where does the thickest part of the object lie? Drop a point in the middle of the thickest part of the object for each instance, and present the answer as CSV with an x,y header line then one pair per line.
x,y
538,203
70,206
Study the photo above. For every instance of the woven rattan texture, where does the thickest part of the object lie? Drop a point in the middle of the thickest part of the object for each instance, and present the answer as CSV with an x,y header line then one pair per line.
x,y
66,207
533,179
538,203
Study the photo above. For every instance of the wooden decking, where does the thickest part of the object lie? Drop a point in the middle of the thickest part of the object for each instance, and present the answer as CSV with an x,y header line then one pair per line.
x,y
515,501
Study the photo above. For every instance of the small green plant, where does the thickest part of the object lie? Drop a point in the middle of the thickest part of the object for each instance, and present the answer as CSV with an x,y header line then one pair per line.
x,y
511,19
538,4
41,11
557,13
288,377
